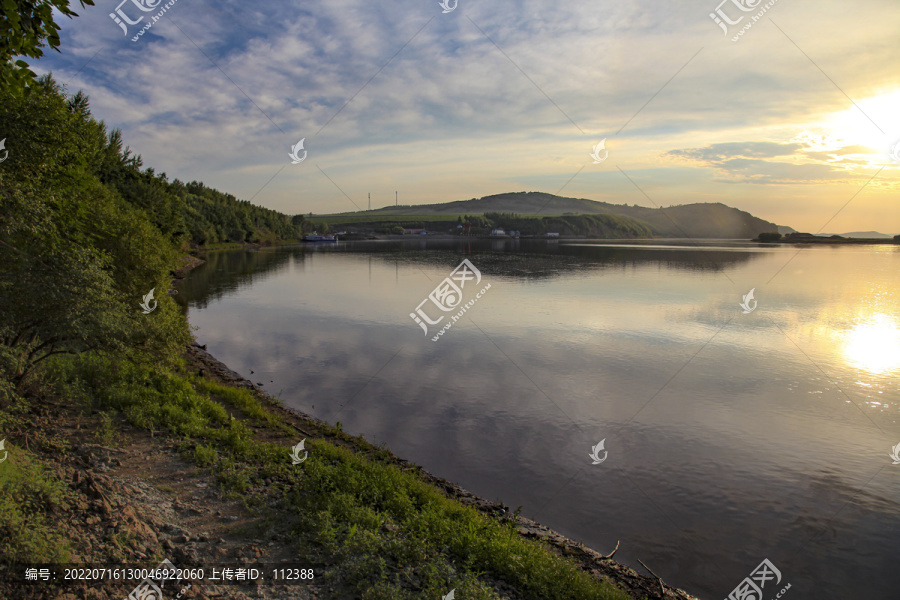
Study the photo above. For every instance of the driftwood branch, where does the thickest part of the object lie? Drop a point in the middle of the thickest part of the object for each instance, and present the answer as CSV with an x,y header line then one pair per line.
x,y
662,586
610,555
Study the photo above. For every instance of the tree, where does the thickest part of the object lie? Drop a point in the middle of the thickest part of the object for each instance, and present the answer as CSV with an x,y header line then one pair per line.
x,y
75,257
27,26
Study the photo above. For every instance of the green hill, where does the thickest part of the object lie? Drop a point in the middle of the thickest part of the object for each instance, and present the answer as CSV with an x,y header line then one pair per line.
x,y
701,220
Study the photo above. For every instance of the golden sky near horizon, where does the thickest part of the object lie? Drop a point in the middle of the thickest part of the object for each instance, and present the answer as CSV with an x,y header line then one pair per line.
x,y
795,121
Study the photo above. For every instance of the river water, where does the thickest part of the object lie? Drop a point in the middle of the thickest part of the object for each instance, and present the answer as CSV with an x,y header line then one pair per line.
x,y
729,437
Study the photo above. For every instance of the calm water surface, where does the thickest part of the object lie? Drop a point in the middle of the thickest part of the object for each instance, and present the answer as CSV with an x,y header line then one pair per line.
x,y
731,437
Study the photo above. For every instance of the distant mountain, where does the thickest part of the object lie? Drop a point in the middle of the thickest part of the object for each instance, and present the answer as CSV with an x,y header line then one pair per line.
x,y
702,220
784,229
872,235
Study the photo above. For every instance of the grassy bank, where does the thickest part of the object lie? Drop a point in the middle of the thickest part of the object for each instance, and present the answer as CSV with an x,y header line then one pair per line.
x,y
378,529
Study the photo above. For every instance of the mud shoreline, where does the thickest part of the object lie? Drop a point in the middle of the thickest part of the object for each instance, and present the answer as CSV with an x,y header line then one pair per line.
x,y
599,565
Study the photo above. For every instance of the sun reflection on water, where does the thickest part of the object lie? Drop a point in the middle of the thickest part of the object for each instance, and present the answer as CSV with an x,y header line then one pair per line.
x,y
874,344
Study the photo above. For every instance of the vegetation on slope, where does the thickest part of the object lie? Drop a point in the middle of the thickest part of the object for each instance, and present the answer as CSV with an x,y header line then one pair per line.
x,y
85,234
701,220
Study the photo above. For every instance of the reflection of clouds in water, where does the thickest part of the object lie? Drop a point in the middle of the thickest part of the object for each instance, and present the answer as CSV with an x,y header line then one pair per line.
x,y
724,450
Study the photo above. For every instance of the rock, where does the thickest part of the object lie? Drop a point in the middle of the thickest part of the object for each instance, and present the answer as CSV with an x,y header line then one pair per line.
x,y
187,555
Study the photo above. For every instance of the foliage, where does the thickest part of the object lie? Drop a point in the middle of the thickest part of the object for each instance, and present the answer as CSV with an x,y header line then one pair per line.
x,y
769,236
598,225
76,257
212,216
26,26
387,530
29,495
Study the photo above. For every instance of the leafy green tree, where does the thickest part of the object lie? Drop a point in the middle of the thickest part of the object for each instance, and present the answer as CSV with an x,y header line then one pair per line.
x,y
26,27
75,257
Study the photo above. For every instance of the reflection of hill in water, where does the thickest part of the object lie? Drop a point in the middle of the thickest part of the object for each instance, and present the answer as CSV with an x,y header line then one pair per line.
x,y
540,259
228,271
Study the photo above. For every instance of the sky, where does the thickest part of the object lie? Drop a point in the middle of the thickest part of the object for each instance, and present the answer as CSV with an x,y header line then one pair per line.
x,y
796,120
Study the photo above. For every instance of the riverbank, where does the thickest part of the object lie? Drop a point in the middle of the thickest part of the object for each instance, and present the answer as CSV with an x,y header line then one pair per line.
x,y
600,567
118,465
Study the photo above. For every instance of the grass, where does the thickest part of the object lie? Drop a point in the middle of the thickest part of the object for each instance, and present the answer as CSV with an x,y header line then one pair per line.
x,y
29,497
389,534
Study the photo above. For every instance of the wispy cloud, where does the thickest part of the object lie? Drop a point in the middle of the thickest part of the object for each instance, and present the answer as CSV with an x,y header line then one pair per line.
x,y
219,92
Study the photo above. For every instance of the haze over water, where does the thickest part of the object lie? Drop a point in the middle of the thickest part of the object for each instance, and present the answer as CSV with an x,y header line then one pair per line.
x,y
732,437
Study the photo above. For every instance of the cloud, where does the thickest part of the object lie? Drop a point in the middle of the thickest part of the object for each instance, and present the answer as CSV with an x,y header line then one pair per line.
x,y
717,153
397,96
744,162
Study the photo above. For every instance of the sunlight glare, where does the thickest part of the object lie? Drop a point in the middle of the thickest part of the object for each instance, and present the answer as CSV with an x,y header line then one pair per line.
x,y
854,127
874,345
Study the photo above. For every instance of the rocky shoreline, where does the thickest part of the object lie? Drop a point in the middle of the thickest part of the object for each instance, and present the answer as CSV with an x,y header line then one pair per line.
x,y
599,565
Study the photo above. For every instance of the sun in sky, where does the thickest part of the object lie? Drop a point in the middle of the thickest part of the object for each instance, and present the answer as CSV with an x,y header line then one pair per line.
x,y
874,123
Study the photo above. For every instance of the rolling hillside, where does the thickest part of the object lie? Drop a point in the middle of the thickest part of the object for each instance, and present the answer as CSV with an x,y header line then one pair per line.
x,y
706,220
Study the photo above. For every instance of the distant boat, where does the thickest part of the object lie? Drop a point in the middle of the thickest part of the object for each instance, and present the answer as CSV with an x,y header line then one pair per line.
x,y
315,237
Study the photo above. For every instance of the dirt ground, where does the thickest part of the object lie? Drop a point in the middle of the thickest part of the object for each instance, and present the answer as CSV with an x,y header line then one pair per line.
x,y
138,501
